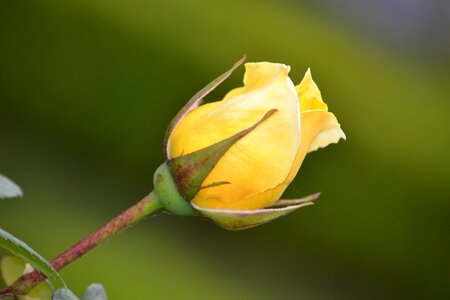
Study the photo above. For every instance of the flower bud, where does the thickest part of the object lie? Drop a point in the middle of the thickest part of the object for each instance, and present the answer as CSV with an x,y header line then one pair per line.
x,y
231,160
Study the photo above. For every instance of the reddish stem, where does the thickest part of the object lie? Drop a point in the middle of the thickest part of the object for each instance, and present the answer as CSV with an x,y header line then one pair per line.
x,y
130,216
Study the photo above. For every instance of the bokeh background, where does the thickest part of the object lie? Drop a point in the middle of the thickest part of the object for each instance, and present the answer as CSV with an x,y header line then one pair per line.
x,y
87,88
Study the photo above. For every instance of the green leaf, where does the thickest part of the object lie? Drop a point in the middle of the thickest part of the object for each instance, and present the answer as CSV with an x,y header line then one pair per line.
x,y
12,268
24,251
95,292
64,294
8,188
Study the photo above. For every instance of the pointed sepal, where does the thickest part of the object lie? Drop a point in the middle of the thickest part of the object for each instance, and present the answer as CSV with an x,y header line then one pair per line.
x,y
189,171
244,219
195,101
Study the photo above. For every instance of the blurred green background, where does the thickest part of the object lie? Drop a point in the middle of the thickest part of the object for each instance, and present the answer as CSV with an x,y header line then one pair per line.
x,y
86,91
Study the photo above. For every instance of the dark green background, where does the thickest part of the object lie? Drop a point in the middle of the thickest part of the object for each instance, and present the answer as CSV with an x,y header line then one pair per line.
x,y
88,87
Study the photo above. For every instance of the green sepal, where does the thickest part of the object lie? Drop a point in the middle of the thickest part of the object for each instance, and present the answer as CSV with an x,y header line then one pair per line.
x,y
196,100
244,219
190,170
168,195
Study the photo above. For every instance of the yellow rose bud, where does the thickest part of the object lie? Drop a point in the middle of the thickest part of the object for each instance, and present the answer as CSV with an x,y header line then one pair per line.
x,y
256,169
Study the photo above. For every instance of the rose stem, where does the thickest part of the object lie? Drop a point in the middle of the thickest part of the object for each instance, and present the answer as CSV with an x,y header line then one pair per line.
x,y
129,217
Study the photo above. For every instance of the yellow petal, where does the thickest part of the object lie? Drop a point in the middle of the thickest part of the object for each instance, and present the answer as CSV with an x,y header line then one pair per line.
x,y
318,128
311,99
262,159
309,94
331,133
257,201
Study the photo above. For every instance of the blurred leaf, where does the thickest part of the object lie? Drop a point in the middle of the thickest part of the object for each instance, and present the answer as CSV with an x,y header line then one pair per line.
x,y
24,251
95,292
64,294
42,292
12,267
9,189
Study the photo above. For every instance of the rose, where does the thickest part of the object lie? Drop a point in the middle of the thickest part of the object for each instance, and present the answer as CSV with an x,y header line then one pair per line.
x,y
231,160
261,165
228,161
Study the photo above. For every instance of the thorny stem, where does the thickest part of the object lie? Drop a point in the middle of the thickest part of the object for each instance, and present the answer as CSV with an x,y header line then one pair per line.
x,y
129,217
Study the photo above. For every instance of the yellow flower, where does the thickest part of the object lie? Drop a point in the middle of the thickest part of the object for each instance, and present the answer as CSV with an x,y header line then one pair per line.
x,y
262,164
